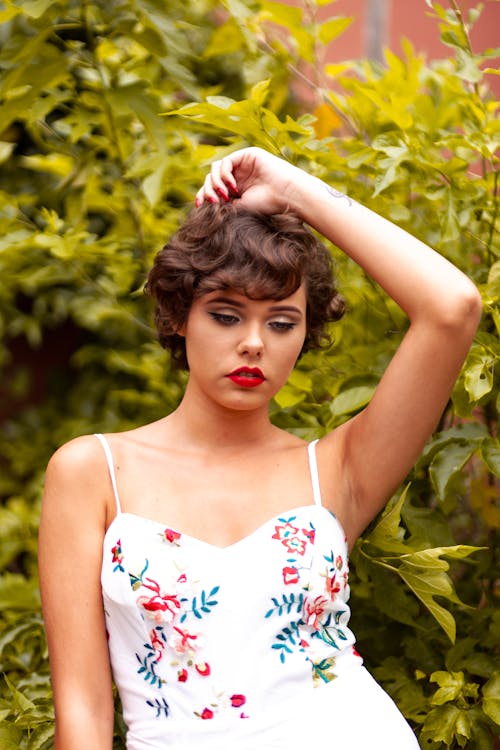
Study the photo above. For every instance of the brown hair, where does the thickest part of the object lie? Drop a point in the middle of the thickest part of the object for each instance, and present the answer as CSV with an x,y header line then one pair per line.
x,y
224,246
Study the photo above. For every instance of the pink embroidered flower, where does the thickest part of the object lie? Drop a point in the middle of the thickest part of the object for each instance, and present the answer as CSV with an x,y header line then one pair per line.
x,y
294,544
182,675
203,668
290,575
304,643
313,611
163,605
238,700
339,562
182,578
285,531
207,713
169,535
182,641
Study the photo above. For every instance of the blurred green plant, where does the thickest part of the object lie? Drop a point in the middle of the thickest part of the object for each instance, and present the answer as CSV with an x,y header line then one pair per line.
x,y
110,114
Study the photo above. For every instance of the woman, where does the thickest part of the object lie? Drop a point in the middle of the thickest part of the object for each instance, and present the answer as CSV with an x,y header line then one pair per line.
x,y
222,540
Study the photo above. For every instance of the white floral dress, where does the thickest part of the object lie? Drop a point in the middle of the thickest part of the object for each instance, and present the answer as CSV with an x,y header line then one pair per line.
x,y
245,647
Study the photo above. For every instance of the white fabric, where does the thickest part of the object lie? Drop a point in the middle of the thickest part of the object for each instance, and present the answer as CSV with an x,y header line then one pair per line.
x,y
245,647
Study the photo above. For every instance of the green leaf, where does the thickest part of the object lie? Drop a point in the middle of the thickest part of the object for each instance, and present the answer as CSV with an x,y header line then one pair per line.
x,y
490,451
447,463
352,399
491,698
450,684
333,28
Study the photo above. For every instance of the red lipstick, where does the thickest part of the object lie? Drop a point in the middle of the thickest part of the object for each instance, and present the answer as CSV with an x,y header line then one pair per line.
x,y
247,377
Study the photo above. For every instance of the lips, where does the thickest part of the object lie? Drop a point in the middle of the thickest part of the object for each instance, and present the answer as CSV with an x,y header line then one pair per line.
x,y
247,377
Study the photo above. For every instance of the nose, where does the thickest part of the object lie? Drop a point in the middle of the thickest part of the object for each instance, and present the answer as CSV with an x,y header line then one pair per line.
x,y
251,342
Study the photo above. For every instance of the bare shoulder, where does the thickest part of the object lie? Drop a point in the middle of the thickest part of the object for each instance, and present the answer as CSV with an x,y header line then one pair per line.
x,y
77,458
77,479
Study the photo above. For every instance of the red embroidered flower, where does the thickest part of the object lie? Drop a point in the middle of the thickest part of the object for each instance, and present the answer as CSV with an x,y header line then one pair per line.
x,y
332,586
203,668
182,675
207,713
169,535
310,534
182,641
339,563
313,611
117,556
163,605
294,544
238,700
290,575
283,532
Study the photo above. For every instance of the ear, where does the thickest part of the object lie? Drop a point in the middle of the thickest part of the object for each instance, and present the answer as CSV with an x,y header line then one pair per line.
x,y
181,329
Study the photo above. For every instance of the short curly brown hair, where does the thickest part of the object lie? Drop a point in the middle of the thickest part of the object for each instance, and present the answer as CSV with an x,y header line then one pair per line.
x,y
224,246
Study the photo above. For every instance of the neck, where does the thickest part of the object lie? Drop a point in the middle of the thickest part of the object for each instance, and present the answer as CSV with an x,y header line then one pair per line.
x,y
204,423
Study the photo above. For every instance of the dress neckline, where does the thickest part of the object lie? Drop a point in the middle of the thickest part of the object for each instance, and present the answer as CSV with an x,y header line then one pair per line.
x,y
287,515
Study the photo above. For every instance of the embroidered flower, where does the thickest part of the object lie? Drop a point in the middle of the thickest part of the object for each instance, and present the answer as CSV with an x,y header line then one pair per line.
x,y
290,575
117,556
332,586
339,562
238,700
207,713
203,668
310,534
313,611
163,606
182,675
294,544
169,535
283,532
182,641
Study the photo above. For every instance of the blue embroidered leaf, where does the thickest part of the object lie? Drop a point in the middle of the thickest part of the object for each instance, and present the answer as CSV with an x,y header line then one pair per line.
x,y
214,591
160,707
338,615
183,617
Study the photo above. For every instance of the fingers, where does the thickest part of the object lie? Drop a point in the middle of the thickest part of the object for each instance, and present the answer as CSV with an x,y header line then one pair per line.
x,y
220,183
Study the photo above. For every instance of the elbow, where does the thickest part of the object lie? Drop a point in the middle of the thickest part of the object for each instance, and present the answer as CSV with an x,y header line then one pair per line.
x,y
464,310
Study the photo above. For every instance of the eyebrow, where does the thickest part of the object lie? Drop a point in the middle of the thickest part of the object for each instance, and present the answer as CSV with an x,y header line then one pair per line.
x,y
236,303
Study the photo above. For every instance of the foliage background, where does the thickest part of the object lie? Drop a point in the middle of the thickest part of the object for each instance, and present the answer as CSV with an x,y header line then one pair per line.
x,y
110,114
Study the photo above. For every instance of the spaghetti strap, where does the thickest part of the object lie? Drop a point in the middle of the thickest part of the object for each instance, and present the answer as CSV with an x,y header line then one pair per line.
x,y
313,469
111,468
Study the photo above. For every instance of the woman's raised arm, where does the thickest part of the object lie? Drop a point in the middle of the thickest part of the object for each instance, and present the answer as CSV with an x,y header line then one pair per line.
x,y
363,461
70,550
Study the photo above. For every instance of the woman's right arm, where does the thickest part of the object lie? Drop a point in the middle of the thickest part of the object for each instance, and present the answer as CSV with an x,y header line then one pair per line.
x,y
72,529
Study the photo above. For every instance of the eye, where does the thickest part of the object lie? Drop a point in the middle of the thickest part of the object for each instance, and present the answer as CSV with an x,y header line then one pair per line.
x,y
224,319
281,327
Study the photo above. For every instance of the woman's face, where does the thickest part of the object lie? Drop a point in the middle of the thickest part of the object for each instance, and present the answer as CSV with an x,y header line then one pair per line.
x,y
241,351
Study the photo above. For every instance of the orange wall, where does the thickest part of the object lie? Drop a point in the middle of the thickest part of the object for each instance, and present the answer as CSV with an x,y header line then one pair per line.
x,y
412,19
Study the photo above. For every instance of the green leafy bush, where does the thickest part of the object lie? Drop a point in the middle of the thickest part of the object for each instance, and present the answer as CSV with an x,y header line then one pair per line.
x,y
110,114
